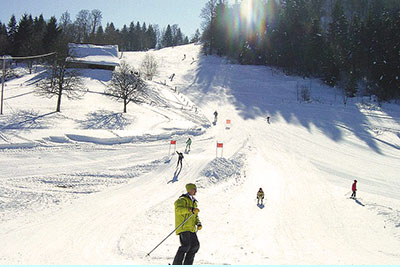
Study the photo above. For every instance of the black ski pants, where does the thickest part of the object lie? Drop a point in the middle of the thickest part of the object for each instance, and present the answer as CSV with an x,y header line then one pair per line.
x,y
189,247
353,195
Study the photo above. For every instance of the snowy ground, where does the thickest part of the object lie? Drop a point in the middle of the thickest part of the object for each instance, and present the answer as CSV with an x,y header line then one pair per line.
x,y
92,185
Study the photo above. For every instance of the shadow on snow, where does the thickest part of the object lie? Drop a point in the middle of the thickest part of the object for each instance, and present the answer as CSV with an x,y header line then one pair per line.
x,y
273,95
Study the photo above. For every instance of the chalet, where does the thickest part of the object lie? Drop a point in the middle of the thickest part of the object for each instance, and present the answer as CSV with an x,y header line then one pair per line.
x,y
88,56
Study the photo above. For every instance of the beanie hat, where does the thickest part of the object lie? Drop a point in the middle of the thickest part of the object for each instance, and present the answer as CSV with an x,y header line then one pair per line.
x,y
190,187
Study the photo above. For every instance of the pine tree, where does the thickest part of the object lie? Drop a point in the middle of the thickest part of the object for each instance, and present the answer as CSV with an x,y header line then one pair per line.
x,y
100,35
51,34
4,44
152,37
167,39
12,31
196,37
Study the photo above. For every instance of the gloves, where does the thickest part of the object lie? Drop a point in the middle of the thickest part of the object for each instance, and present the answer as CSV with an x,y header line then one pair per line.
x,y
194,210
199,227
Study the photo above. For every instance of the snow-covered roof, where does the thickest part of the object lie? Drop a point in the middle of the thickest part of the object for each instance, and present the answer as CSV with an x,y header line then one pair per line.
x,y
94,54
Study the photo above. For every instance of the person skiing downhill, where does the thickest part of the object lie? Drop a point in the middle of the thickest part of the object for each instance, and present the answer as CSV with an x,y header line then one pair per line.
x,y
354,189
260,196
188,143
215,117
180,158
186,207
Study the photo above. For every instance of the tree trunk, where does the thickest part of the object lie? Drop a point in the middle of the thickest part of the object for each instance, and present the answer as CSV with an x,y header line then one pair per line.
x,y
59,99
125,105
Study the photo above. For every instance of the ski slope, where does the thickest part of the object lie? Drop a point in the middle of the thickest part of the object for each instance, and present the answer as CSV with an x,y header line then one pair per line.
x,y
92,185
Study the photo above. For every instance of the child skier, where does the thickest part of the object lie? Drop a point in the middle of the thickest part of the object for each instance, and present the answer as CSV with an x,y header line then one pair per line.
x,y
354,189
260,196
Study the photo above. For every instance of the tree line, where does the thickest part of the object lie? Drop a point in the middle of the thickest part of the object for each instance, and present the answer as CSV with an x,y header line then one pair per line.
x,y
36,35
352,44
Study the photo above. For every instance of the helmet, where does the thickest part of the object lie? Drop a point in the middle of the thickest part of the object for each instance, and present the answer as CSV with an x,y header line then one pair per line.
x,y
355,181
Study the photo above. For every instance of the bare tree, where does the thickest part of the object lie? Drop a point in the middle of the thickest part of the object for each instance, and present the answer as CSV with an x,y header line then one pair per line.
x,y
83,23
126,85
208,13
96,20
60,80
149,66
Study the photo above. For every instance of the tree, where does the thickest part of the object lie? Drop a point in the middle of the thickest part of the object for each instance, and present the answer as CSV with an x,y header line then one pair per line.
x,y
149,66
111,35
167,39
96,20
12,31
4,44
152,37
51,34
39,27
60,80
83,23
208,14
196,37
100,35
126,85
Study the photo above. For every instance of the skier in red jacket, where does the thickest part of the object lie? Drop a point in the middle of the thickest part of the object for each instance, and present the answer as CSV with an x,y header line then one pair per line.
x,y
354,189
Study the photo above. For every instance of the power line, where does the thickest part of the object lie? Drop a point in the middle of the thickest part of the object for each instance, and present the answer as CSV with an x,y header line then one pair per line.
x,y
29,57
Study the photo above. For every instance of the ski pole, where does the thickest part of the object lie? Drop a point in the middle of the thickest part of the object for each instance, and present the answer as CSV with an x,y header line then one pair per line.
x,y
148,254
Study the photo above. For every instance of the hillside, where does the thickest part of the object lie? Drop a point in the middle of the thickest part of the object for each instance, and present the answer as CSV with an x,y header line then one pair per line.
x,y
91,185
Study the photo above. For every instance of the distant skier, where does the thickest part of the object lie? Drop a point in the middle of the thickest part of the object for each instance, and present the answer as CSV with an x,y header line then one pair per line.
x,y
180,158
260,196
354,189
171,78
215,117
186,206
188,143
268,119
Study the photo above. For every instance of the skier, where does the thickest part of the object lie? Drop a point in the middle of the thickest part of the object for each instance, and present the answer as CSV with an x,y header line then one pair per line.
x,y
354,189
268,119
260,196
172,77
186,206
188,143
180,158
215,117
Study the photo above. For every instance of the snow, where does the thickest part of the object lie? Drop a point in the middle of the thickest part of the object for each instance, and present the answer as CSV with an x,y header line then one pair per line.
x,y
94,54
92,185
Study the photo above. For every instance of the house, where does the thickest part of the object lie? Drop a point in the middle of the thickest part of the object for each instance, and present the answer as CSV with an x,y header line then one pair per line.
x,y
88,56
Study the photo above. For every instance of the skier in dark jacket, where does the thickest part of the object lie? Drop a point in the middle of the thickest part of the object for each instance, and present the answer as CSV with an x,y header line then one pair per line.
x,y
215,117
260,196
186,209
354,189
180,158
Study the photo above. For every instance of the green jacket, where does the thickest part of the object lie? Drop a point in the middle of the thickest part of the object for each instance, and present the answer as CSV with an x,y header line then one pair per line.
x,y
189,142
182,212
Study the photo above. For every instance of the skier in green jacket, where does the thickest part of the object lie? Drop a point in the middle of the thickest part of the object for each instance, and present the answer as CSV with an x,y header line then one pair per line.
x,y
185,207
188,143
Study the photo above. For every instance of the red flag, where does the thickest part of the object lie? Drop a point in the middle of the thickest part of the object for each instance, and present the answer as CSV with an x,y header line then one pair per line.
x,y
173,142
220,145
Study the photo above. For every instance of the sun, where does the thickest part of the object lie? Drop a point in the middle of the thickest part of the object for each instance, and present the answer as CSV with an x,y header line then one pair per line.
x,y
253,16
246,11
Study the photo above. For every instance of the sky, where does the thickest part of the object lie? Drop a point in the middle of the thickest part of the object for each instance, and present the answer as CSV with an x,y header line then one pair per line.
x,y
185,13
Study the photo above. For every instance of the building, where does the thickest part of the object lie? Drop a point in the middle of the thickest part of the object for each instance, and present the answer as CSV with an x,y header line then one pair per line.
x,y
88,56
